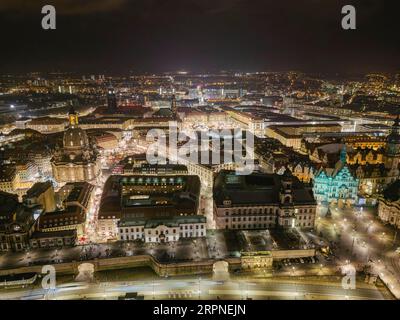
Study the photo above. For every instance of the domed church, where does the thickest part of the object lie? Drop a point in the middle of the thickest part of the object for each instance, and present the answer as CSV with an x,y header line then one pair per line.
x,y
78,159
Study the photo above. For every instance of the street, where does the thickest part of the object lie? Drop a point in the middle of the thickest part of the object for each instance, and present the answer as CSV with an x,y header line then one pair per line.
x,y
203,288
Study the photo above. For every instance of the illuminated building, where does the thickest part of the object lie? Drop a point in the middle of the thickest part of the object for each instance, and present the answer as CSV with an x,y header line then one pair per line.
x,y
78,160
262,201
56,239
389,205
75,198
336,185
10,138
374,178
292,135
147,200
17,223
162,230
7,179
174,108
106,141
47,124
27,172
41,194
392,156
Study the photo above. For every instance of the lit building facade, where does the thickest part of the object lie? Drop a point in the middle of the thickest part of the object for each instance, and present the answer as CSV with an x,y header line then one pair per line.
x,y
162,230
374,178
153,202
336,185
17,223
389,205
262,201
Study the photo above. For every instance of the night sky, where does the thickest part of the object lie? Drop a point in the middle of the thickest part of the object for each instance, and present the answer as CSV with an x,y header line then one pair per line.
x,y
117,36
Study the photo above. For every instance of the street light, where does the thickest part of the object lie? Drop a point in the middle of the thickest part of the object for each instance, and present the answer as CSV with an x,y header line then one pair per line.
x,y
352,245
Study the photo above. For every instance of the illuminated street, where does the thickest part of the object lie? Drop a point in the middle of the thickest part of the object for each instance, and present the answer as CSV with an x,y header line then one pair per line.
x,y
359,238
188,288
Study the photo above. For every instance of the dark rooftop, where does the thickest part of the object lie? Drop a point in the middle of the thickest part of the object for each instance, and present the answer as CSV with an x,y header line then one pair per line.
x,y
257,188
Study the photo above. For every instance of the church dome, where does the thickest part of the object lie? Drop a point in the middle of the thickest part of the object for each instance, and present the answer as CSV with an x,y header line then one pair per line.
x,y
75,138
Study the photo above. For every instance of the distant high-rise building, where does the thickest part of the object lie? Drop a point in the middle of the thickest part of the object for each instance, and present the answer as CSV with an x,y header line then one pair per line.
x,y
111,100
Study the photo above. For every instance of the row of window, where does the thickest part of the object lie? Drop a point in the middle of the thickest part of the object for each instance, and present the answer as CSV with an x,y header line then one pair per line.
x,y
157,239
60,224
263,225
239,219
304,224
304,217
149,232
254,211
261,211
61,219
50,242
252,226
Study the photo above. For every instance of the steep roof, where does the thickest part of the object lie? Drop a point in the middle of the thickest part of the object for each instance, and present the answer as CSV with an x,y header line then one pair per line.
x,y
256,189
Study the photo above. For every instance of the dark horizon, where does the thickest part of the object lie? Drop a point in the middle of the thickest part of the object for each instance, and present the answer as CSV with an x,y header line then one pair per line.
x,y
120,36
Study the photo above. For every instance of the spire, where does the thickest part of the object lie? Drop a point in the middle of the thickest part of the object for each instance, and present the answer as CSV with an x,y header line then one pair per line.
x,y
72,117
343,154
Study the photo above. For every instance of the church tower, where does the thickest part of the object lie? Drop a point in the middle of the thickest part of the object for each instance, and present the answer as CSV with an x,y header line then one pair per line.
x,y
392,154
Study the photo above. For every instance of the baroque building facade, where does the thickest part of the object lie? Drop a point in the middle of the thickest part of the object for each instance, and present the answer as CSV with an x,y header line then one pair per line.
x,y
262,201
78,160
375,177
